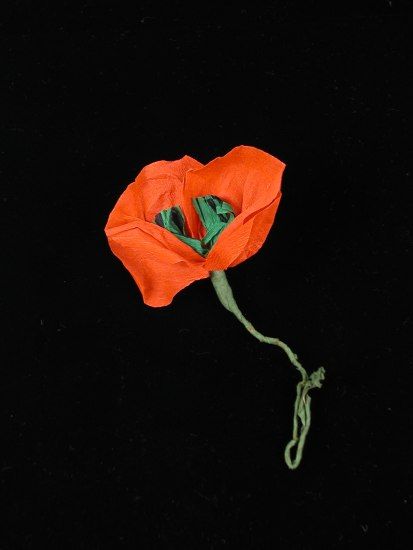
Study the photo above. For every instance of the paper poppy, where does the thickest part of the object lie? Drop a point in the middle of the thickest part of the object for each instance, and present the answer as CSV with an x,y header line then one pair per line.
x,y
180,221
247,179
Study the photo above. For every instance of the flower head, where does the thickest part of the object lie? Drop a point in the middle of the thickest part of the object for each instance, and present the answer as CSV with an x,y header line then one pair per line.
x,y
180,220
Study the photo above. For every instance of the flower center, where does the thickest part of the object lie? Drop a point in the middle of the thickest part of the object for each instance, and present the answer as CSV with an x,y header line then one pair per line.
x,y
214,213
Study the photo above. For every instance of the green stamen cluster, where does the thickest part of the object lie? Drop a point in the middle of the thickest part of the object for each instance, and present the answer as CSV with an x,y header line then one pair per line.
x,y
214,213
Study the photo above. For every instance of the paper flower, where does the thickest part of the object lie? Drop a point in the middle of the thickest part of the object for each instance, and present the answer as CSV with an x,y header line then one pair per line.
x,y
180,221
247,179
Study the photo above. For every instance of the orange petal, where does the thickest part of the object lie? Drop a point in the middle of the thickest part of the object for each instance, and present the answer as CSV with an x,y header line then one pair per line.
x,y
246,177
239,240
260,223
159,262
250,180
158,186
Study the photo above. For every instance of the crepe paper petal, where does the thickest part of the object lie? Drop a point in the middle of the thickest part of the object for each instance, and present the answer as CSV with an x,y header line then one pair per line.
x,y
250,180
160,264
180,221
239,241
158,186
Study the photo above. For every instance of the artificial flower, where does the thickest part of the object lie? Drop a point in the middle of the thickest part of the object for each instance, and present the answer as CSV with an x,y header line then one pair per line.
x,y
180,221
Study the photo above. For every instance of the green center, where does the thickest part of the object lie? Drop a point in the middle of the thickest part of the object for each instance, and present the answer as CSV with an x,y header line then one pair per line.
x,y
214,213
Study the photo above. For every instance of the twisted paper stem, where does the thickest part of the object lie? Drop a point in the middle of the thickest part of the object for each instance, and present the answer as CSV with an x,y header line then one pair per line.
x,y
302,411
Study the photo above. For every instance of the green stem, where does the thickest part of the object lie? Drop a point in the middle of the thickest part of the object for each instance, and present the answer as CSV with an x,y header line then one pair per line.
x,y
302,411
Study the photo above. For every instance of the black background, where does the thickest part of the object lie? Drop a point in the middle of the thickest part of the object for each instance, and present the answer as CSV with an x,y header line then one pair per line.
x,y
125,426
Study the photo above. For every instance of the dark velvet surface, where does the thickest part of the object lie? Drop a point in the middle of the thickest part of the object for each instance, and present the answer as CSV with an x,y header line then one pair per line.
x,y
124,426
